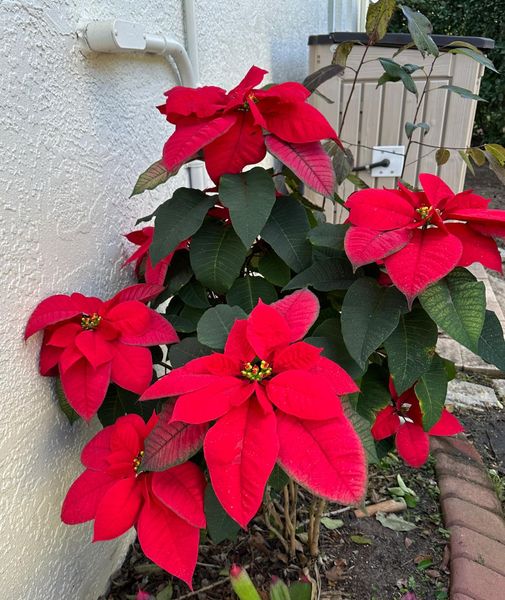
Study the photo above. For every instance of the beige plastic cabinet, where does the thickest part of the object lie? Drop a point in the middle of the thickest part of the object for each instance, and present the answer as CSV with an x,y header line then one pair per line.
x,y
376,116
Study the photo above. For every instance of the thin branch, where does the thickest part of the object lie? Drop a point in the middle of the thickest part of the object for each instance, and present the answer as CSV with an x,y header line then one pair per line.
x,y
341,127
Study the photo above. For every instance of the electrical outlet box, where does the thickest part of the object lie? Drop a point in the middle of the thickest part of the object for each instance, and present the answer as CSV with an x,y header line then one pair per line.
x,y
396,157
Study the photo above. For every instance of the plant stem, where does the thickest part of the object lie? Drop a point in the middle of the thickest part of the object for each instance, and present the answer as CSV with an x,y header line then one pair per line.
x,y
314,529
356,73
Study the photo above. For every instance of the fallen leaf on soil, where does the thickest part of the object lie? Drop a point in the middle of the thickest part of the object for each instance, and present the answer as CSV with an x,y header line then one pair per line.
x,y
361,539
408,542
422,558
337,571
394,522
331,523
446,558
388,506
433,573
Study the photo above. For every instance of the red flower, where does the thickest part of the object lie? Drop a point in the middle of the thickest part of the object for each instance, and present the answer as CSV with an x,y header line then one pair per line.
x,y
230,127
166,508
90,343
422,236
404,419
144,238
274,398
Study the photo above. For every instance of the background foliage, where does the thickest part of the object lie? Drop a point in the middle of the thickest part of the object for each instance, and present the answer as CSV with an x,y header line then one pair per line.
x,y
472,18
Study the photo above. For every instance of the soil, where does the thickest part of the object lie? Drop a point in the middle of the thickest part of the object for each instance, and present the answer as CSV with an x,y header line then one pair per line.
x,y
359,560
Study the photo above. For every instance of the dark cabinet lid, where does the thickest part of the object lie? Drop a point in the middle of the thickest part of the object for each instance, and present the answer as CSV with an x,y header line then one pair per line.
x,y
396,40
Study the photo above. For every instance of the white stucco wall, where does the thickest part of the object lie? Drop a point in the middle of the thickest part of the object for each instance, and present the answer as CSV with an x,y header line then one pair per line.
x,y
75,131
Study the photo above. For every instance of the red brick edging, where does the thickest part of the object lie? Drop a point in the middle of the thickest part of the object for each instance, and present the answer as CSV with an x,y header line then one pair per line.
x,y
473,515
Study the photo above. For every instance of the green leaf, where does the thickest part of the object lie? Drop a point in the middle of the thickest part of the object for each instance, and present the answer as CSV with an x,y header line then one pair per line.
x,y
317,78
177,219
328,235
63,403
377,19
178,274
151,178
410,348
478,157
300,590
278,479
274,269
188,349
420,29
411,127
342,52
463,92
331,524
215,324
431,391
370,313
219,525
278,591
457,304
491,346
362,540
166,593
246,291
286,232
217,255
497,151
194,294
396,72
373,393
475,55
342,161
442,155
186,319
362,427
119,402
357,181
467,161
249,197
394,522
324,275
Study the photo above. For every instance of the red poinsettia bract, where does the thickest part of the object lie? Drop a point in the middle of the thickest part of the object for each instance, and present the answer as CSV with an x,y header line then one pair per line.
x,y
273,398
165,507
234,129
152,274
404,420
422,236
89,343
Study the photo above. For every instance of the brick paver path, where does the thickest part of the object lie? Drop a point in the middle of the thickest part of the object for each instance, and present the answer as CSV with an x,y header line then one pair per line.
x,y
474,517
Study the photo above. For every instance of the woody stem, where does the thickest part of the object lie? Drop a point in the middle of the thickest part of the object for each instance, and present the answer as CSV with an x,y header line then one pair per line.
x,y
316,512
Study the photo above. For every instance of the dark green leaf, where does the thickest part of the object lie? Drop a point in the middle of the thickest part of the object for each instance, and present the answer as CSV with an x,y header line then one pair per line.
x,y
342,52
410,348
250,197
217,255
274,269
370,313
185,320
324,275
463,92
491,345
119,402
357,181
377,19
166,593
286,232
475,55
246,291
65,407
219,525
431,390
317,78
300,590
342,161
278,479
442,155
396,72
178,274
151,178
457,304
177,219
420,29
215,324
194,294
328,235
189,349
373,393
478,157
467,161
362,428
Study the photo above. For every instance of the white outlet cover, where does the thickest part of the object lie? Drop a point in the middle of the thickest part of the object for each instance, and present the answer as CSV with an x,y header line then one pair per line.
x,y
395,155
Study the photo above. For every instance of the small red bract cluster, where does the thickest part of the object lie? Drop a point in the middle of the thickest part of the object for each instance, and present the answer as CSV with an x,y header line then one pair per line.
x,y
166,508
89,343
404,419
274,398
422,236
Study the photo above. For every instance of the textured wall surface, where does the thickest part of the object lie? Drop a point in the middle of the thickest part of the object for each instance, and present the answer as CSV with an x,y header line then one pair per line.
x,y
75,131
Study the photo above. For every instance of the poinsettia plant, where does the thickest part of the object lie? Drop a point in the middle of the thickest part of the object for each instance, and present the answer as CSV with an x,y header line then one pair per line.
x,y
264,348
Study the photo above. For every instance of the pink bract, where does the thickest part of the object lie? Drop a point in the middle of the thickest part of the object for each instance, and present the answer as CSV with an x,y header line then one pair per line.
x,y
165,507
422,236
273,398
89,343
404,419
230,127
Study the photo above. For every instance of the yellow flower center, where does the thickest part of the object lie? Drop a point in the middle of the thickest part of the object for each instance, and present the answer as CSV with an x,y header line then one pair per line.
x,y
137,461
90,321
256,372
424,211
